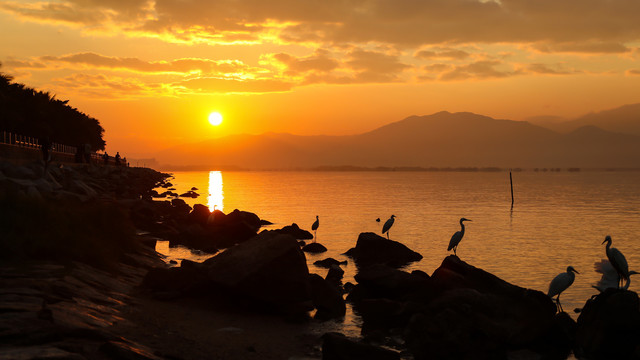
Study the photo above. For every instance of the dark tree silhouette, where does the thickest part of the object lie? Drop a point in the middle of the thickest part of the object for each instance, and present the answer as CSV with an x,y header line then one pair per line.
x,y
39,114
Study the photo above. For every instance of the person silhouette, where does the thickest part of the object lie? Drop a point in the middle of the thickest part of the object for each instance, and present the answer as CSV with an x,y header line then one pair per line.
x,y
106,158
117,158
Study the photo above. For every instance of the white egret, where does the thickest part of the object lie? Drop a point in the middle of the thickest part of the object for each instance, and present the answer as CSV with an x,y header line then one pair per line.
x,y
457,237
616,259
314,227
560,283
387,225
609,278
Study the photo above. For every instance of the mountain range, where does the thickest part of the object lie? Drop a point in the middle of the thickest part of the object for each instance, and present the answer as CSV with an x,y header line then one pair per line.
x,y
608,139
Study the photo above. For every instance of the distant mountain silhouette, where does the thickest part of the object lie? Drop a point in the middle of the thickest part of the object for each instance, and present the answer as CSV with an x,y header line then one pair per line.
x,y
624,119
439,140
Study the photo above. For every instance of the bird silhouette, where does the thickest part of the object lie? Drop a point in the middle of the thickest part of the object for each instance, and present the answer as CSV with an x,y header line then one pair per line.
x,y
560,283
609,278
457,237
378,220
617,260
387,225
314,227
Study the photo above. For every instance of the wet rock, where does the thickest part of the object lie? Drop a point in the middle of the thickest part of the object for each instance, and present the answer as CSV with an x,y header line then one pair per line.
x,y
314,248
128,351
476,313
336,346
269,270
334,276
200,214
374,249
609,326
328,262
43,352
190,194
295,231
265,222
326,299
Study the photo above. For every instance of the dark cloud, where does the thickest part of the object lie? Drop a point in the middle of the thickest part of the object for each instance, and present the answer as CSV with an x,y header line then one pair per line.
x,y
476,70
452,54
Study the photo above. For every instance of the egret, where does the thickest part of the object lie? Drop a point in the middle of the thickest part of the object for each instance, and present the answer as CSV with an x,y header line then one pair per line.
x,y
617,260
560,283
609,278
457,237
314,227
387,225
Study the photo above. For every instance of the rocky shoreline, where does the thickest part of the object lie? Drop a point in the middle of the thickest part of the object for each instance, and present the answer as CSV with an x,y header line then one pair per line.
x,y
80,279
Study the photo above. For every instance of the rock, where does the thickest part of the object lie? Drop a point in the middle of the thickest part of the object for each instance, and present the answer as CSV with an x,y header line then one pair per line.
x,y
382,281
374,249
190,194
478,314
326,299
268,270
128,351
42,352
334,276
295,231
200,214
194,189
380,315
336,346
328,262
314,248
265,222
609,326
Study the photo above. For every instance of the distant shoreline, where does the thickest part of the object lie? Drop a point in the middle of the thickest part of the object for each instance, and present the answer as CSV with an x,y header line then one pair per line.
x,y
349,168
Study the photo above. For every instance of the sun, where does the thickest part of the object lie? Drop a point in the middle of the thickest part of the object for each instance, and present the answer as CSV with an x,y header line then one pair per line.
x,y
215,118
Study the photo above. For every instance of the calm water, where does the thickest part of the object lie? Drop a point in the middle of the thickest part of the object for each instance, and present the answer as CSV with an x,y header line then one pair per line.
x,y
559,218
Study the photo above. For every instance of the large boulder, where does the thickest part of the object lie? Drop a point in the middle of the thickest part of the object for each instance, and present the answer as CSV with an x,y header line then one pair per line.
x,y
479,314
314,248
268,270
375,249
609,326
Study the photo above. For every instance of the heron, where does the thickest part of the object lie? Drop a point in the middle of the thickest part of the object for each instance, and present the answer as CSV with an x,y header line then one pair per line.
x,y
314,227
609,278
617,260
457,237
387,225
560,283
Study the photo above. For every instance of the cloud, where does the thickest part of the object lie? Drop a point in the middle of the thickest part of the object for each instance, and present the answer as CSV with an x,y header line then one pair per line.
x,y
108,87
188,65
476,70
320,61
452,54
633,72
546,69
571,25
221,85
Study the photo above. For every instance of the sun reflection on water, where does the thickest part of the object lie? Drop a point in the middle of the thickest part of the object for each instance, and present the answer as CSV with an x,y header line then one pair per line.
x,y
216,195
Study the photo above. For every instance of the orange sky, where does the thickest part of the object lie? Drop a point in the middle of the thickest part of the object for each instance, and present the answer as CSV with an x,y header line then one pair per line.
x,y
152,70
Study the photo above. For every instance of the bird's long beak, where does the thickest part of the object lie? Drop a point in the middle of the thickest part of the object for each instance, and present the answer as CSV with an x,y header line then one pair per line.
x,y
576,271
605,240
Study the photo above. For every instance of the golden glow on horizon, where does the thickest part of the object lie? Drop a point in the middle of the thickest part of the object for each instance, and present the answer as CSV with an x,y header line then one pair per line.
x,y
215,118
216,194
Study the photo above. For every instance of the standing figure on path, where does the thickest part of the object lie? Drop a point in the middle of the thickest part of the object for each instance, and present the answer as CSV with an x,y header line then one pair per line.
x,y
457,237
314,227
106,158
45,147
117,158
387,225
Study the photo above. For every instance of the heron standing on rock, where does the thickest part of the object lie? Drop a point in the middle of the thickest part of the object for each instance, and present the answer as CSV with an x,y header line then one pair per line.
x,y
314,227
560,283
387,225
457,237
609,278
617,260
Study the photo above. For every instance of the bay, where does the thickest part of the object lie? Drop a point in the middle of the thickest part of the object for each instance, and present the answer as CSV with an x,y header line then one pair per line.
x,y
559,218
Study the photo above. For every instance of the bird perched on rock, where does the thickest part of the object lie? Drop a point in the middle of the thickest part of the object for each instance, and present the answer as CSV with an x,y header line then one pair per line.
x,y
457,237
560,283
617,260
314,227
609,278
387,225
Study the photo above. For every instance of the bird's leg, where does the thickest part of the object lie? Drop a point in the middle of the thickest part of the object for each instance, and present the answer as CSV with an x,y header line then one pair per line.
x,y
315,235
454,250
559,305
387,235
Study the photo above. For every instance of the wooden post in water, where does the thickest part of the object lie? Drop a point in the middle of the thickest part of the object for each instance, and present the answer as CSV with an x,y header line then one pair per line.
x,y
511,182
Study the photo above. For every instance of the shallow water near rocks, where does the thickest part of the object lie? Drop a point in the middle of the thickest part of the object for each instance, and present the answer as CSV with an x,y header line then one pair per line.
x,y
558,219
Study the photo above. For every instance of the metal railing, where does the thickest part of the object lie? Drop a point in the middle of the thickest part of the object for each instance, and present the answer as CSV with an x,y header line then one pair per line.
x,y
34,143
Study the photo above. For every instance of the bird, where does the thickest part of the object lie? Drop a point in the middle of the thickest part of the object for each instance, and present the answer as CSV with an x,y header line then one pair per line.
x,y
457,237
378,220
617,260
560,283
314,227
387,225
609,278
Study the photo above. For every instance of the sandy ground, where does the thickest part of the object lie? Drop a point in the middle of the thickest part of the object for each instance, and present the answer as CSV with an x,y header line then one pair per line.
x,y
195,329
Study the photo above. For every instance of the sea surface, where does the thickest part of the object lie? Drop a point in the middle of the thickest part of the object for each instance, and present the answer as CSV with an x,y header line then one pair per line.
x,y
558,218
